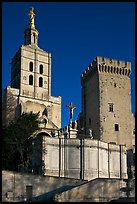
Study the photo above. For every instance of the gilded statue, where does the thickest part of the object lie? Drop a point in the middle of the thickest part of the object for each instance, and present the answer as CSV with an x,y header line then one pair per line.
x,y
31,14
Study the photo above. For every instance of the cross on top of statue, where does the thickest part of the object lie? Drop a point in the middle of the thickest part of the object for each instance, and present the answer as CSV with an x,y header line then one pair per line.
x,y
71,111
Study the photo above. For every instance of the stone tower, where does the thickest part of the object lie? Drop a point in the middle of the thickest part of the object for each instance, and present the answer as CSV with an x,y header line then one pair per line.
x,y
106,102
31,82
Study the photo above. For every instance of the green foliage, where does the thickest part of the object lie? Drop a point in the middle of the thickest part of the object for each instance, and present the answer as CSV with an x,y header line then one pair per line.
x,y
17,147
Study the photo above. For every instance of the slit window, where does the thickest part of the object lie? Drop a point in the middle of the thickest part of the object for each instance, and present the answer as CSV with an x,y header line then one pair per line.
x,y
111,106
116,127
30,80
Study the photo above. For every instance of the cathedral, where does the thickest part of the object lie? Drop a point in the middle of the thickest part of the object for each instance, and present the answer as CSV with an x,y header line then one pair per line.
x,y
104,131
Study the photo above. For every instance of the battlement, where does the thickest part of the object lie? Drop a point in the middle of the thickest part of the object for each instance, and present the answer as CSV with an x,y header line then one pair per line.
x,y
113,62
108,65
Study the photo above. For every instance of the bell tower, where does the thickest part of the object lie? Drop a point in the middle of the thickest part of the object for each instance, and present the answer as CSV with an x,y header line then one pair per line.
x,y
31,66
31,80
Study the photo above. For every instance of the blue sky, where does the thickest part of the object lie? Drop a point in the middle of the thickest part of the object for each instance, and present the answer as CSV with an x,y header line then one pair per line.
x,y
74,33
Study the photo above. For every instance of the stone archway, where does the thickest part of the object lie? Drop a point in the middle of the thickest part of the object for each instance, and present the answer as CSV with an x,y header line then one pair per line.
x,y
39,151
43,133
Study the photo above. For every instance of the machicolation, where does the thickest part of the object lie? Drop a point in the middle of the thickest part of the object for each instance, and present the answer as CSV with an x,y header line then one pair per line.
x,y
108,65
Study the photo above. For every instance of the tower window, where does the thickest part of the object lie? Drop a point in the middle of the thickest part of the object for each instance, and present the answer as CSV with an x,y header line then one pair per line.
x,y
34,37
30,80
116,127
40,82
31,66
115,85
110,107
41,69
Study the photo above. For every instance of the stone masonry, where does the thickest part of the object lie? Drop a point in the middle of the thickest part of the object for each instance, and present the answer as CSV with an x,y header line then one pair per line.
x,y
106,101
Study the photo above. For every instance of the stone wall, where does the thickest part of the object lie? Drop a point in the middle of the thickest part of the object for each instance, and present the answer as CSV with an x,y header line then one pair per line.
x,y
10,106
48,188
80,158
98,190
37,57
14,105
14,185
106,101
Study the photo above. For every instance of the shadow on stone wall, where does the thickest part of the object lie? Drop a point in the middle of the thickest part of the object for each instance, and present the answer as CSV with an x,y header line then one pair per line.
x,y
14,185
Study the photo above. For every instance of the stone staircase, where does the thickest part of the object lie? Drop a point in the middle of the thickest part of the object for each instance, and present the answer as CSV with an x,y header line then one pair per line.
x,y
55,189
97,190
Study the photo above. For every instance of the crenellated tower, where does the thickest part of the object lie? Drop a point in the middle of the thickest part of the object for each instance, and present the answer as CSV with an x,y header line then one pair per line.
x,y
106,101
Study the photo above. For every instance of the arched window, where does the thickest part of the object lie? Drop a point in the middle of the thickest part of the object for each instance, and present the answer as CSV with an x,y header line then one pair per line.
x,y
34,37
40,82
31,66
30,79
108,68
41,69
114,70
120,70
